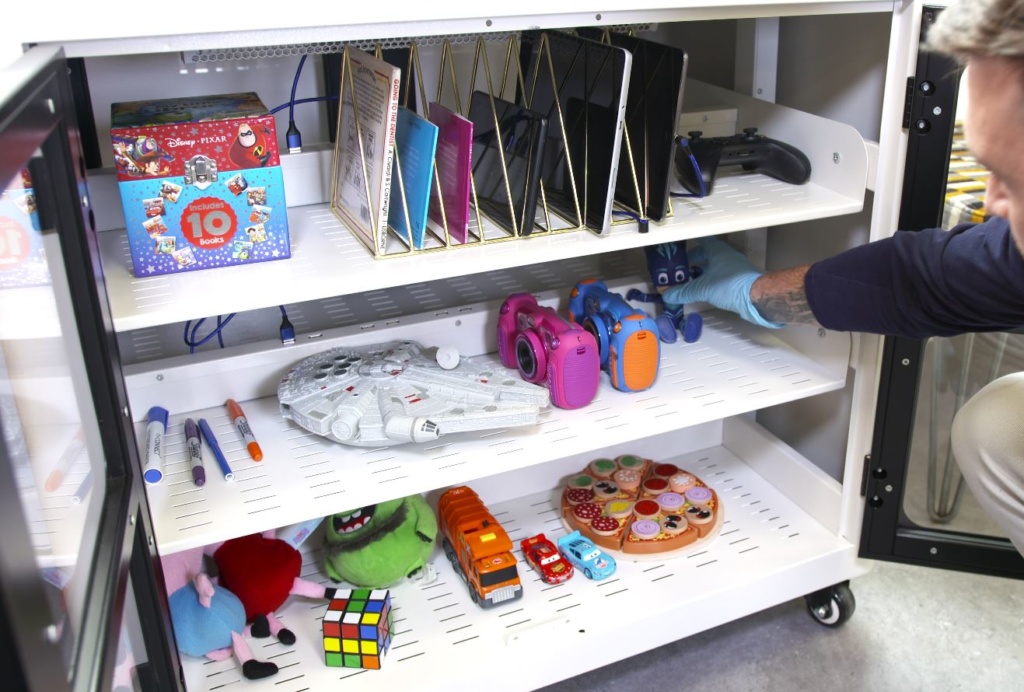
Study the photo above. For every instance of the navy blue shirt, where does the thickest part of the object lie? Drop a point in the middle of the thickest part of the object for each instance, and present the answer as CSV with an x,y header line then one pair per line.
x,y
923,283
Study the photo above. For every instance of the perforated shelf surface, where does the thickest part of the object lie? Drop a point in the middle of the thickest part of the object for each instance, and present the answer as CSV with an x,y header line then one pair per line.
x,y
327,260
443,641
734,368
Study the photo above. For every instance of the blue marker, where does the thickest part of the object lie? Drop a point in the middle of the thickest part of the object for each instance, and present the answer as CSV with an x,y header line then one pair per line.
x,y
83,489
155,431
217,454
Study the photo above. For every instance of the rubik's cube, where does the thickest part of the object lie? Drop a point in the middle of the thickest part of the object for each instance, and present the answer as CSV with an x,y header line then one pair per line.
x,y
358,628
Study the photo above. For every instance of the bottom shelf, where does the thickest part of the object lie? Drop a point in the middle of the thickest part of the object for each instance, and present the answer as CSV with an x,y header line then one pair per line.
x,y
769,551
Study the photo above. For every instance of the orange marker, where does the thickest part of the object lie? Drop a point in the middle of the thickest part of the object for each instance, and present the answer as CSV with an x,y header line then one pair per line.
x,y
244,430
56,476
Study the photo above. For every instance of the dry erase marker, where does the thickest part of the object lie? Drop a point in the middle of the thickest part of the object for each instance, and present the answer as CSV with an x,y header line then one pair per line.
x,y
83,489
217,454
195,452
155,431
56,476
238,417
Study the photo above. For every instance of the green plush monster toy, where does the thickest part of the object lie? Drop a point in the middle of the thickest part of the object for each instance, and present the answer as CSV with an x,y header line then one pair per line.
x,y
379,545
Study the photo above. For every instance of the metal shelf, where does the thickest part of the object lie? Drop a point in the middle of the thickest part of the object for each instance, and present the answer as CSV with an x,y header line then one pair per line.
x,y
735,368
327,260
768,551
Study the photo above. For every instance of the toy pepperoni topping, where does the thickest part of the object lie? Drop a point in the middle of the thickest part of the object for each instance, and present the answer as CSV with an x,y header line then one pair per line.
x,y
577,495
655,486
605,525
671,502
646,509
665,470
645,529
699,495
586,511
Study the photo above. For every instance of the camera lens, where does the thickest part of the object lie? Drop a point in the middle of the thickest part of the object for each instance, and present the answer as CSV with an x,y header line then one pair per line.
x,y
526,359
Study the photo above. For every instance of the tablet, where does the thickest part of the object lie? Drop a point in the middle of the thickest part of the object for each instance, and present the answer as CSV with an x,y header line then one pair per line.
x,y
519,136
655,99
593,76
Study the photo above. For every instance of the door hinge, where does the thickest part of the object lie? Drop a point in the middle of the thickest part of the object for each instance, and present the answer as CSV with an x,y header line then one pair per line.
x,y
908,103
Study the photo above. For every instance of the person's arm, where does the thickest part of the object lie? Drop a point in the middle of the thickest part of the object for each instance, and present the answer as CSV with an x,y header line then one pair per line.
x,y
781,297
917,284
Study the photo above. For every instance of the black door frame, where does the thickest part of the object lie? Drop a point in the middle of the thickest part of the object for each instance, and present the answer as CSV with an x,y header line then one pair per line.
x,y
888,534
38,114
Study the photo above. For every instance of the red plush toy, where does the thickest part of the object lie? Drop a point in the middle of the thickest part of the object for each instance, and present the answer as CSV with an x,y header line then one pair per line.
x,y
263,572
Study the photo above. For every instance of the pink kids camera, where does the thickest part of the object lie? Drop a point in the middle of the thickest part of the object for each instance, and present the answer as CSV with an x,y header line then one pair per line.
x,y
547,349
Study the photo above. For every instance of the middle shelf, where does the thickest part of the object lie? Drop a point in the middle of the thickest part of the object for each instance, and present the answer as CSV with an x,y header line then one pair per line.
x,y
734,368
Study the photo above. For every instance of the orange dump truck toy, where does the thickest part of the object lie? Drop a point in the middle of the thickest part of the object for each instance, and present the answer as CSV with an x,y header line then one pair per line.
x,y
478,548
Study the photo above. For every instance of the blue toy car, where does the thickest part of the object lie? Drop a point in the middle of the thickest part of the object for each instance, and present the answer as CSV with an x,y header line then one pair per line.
x,y
586,557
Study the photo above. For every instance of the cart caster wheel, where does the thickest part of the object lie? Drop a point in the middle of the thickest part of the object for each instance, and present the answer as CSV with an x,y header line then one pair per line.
x,y
832,606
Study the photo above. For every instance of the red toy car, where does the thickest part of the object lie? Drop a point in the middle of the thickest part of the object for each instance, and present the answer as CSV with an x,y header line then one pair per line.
x,y
545,558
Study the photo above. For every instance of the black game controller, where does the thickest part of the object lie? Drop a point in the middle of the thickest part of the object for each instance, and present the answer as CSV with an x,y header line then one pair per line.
x,y
752,151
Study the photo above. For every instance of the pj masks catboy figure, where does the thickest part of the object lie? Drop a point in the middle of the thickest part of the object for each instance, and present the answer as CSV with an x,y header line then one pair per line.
x,y
669,266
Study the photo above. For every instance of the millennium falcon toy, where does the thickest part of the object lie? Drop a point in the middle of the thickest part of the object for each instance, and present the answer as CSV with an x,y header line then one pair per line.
x,y
392,393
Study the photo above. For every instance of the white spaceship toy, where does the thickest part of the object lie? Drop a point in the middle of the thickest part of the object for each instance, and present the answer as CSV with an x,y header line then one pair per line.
x,y
392,393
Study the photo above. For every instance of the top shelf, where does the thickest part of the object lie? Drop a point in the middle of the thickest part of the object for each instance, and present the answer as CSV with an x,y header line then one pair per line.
x,y
329,261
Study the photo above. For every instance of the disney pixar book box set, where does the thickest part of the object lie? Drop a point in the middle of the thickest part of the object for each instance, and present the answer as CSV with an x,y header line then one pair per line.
x,y
22,257
200,181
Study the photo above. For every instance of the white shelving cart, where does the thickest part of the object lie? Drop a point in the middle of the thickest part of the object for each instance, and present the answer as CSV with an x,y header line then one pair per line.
x,y
778,422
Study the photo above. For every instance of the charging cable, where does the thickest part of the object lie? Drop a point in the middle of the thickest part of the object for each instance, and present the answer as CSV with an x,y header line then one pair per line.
x,y
642,223
311,99
702,191
192,331
293,137
287,330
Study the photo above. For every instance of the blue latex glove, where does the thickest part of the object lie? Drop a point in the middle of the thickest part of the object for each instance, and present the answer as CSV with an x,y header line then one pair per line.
x,y
724,282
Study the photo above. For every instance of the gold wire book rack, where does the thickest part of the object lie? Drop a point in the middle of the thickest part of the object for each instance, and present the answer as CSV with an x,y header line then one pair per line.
x,y
395,193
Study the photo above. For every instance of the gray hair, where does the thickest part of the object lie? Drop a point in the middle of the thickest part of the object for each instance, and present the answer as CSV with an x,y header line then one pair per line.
x,y
988,28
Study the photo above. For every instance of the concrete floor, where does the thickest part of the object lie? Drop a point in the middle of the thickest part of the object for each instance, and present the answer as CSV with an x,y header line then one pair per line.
x,y
914,628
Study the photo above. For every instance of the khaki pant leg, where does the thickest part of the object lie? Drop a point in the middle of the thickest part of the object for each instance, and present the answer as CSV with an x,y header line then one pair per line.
x,y
988,443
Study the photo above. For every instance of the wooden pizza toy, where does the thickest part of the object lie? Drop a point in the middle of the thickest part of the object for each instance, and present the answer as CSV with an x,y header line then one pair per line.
x,y
639,509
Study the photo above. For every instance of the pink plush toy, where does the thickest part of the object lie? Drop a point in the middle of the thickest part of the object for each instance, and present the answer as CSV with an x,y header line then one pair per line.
x,y
208,620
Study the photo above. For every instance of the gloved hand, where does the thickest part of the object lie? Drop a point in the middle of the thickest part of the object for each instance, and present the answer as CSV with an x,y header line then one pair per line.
x,y
725,281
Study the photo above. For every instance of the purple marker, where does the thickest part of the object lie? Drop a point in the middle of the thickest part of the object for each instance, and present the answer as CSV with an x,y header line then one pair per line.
x,y
195,451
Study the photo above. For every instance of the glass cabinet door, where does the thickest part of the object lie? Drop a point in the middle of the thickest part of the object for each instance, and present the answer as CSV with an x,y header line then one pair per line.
x,y
69,498
919,509
952,371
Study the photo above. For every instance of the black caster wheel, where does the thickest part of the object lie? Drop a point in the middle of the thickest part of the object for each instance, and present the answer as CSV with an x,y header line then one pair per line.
x,y
832,606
